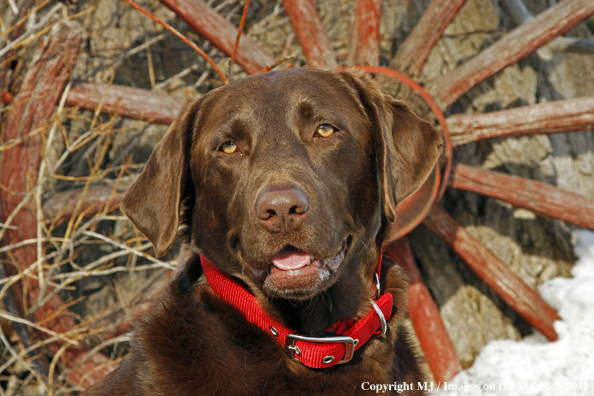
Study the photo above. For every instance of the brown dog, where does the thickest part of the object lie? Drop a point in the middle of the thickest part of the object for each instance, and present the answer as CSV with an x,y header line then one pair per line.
x,y
287,182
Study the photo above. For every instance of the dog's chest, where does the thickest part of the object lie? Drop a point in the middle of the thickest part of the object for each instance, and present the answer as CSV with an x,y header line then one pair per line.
x,y
211,347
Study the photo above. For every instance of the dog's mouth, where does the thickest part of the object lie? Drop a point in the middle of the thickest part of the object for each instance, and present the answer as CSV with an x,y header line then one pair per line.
x,y
297,273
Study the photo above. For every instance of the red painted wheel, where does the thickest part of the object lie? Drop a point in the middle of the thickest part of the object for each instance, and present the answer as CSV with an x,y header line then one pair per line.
x,y
564,116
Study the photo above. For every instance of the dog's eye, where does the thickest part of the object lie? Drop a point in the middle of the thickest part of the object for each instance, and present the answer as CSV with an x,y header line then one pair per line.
x,y
325,130
229,147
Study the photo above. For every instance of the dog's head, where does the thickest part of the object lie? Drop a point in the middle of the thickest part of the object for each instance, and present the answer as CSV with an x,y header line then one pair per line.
x,y
285,179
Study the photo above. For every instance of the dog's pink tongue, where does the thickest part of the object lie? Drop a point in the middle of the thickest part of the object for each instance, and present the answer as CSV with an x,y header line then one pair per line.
x,y
289,259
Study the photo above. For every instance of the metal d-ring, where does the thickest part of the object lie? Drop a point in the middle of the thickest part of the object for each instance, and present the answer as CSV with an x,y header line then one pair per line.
x,y
377,284
381,316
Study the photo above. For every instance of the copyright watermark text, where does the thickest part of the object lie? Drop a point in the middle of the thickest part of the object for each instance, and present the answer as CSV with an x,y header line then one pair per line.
x,y
400,387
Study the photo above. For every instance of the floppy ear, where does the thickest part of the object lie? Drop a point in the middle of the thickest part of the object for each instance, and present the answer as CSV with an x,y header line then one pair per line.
x,y
153,202
409,147
406,147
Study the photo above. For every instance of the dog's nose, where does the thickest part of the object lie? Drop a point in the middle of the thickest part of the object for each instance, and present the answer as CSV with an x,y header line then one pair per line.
x,y
282,208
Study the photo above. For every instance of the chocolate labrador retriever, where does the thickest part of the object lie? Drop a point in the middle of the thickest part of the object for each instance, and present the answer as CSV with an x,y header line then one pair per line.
x,y
284,185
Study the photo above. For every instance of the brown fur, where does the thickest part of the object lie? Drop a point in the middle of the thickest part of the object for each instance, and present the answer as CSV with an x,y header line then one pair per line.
x,y
196,344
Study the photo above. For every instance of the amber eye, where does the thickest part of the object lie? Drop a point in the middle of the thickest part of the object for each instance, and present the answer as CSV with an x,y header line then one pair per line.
x,y
229,147
325,130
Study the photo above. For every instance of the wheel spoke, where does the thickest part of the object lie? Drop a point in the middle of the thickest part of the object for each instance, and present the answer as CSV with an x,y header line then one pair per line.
x,y
519,14
136,103
364,45
41,89
59,208
560,116
424,315
312,36
512,47
494,272
221,33
541,198
414,51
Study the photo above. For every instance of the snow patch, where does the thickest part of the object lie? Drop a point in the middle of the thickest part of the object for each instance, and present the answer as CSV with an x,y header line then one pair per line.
x,y
535,366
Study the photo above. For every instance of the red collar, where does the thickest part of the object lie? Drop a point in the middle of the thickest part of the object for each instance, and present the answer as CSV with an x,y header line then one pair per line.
x,y
316,352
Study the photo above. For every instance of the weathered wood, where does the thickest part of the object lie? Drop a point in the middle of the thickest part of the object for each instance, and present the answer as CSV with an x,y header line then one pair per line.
x,y
59,208
221,33
541,198
414,51
424,315
364,44
494,272
512,47
135,103
519,14
185,40
41,89
24,6
312,36
550,117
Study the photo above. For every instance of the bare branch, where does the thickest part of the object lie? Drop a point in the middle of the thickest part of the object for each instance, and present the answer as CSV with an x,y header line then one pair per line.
x,y
9,316
128,249
221,33
181,37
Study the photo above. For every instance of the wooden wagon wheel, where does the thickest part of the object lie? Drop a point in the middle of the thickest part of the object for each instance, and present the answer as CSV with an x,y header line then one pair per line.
x,y
552,117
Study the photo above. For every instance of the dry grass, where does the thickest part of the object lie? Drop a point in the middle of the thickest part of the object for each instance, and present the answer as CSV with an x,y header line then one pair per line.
x,y
61,267
101,267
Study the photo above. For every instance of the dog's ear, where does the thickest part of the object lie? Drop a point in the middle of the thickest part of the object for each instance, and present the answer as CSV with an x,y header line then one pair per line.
x,y
407,152
153,202
406,146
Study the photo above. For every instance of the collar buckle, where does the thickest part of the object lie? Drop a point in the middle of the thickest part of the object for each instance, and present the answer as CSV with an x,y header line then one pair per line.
x,y
349,345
